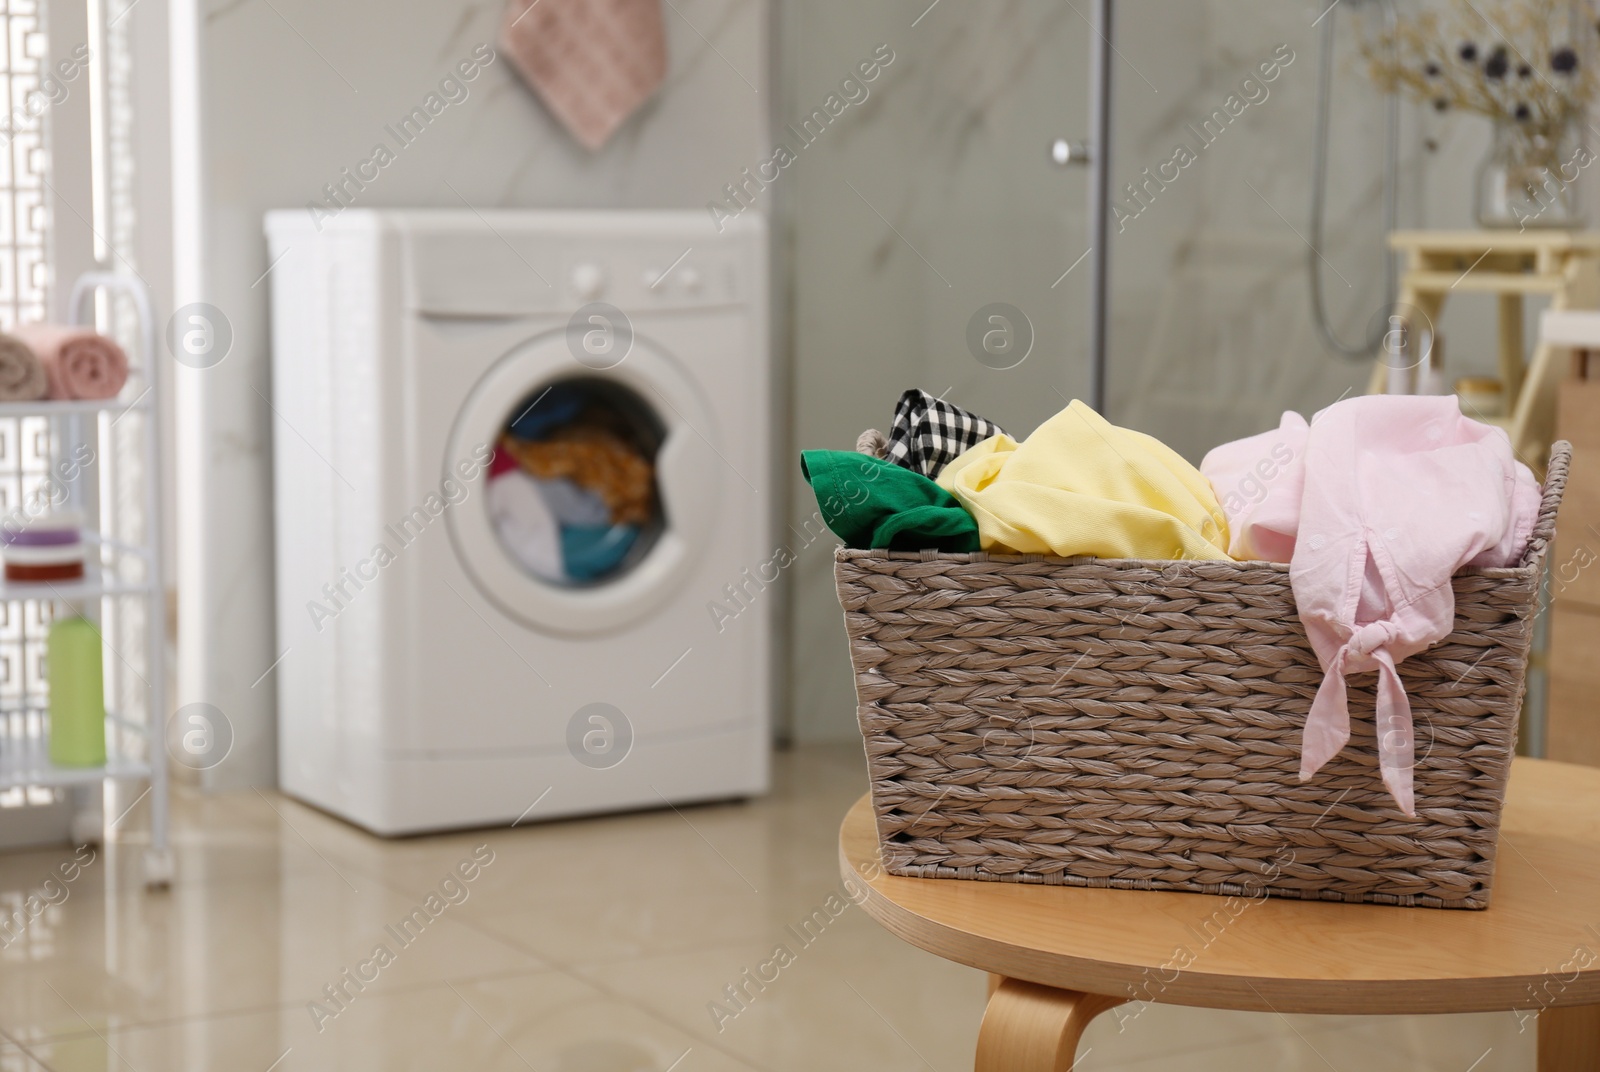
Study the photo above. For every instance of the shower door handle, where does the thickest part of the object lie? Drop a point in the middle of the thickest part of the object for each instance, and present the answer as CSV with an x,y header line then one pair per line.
x,y
1069,153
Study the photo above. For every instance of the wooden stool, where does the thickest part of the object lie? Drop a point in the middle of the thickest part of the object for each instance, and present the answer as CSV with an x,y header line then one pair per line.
x,y
1510,264
1061,955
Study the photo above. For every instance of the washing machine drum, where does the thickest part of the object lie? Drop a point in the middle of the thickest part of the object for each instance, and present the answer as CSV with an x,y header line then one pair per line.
x,y
602,490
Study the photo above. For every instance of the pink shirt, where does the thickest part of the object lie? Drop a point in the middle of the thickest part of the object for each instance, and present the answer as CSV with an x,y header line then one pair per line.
x,y
1374,505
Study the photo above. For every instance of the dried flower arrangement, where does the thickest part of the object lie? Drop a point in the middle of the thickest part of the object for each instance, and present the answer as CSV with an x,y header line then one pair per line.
x,y
1528,65
1521,61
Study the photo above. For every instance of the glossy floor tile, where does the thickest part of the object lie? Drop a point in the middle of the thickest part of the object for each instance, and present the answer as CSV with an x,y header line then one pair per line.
x,y
844,997
230,946
630,943
542,1021
1495,1042
13,1059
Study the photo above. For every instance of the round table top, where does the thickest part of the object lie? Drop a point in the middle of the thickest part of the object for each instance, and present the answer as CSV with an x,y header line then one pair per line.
x,y
1536,945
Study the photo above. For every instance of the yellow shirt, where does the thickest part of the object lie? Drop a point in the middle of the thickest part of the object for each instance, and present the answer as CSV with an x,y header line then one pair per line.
x,y
1082,486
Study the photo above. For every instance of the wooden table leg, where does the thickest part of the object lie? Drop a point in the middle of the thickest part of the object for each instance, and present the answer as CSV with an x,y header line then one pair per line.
x,y
1032,1028
1569,1039
1511,365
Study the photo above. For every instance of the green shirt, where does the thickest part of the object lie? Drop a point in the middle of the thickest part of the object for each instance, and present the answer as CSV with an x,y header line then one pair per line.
x,y
871,503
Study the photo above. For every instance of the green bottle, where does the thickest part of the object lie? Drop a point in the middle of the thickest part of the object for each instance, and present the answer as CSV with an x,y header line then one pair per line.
x,y
77,694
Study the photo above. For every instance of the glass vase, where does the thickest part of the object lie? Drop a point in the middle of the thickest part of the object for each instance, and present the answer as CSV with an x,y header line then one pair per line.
x,y
1529,178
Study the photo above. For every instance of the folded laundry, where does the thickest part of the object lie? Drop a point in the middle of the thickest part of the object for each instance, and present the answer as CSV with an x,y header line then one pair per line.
x,y
574,505
525,524
45,554
1395,494
554,406
928,433
590,552
597,459
46,538
78,363
1082,486
22,377
872,503
45,548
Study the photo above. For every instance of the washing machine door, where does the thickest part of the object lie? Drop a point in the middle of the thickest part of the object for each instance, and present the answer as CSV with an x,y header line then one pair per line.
x,y
553,422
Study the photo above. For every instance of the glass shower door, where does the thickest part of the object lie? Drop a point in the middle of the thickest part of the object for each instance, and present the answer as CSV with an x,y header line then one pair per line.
x,y
932,242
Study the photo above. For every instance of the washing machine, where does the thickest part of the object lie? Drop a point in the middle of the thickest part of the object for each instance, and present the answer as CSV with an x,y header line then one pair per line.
x,y
525,495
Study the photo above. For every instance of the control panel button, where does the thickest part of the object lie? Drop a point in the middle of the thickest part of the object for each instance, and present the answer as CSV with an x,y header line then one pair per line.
x,y
588,281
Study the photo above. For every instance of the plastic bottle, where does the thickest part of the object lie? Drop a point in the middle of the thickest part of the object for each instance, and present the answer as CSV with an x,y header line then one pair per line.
x,y
77,694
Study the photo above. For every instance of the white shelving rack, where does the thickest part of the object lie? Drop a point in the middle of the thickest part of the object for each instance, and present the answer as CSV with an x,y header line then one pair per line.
x,y
122,582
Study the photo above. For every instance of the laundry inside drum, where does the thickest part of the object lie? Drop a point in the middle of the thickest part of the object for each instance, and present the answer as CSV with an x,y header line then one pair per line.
x,y
572,487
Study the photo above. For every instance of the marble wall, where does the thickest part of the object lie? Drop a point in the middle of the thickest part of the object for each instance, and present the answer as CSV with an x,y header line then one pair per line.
x,y
291,92
924,201
938,198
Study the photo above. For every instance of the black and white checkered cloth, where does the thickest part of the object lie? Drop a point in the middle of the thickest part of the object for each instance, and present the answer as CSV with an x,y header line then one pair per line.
x,y
927,434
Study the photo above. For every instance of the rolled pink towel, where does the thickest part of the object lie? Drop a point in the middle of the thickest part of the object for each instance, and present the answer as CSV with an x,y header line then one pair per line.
x,y
78,362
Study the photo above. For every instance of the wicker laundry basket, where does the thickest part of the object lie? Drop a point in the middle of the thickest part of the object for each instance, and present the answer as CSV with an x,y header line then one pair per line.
x,y
1136,724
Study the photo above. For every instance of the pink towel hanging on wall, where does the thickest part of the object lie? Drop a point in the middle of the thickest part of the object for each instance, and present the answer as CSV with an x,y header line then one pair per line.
x,y
592,62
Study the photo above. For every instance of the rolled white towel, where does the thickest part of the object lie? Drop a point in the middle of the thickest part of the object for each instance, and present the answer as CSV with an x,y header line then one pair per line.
x,y
22,376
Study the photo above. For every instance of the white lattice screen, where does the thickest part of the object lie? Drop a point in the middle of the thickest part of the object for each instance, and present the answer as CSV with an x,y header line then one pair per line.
x,y
24,272
24,286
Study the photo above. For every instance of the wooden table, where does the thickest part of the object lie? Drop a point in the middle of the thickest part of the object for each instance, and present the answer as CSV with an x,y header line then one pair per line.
x,y
1059,956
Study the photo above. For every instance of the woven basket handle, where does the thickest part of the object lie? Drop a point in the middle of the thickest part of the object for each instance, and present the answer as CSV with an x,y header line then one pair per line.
x,y
1555,483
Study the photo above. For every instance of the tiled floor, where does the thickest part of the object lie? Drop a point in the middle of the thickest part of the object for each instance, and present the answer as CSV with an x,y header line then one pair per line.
x,y
602,945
